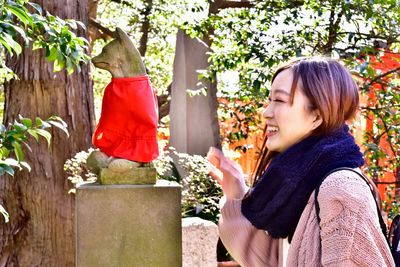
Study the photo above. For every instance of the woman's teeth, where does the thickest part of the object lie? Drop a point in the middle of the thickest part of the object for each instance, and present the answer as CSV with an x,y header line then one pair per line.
x,y
272,129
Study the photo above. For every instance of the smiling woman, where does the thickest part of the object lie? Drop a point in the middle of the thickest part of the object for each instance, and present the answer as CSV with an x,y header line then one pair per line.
x,y
288,119
307,144
308,96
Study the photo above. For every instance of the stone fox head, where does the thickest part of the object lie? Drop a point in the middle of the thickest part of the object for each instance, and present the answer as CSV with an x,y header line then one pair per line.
x,y
120,57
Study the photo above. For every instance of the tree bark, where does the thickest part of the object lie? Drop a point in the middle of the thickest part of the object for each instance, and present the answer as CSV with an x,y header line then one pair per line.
x,y
41,227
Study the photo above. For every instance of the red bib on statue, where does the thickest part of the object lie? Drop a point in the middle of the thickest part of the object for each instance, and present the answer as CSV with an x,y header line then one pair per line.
x,y
128,123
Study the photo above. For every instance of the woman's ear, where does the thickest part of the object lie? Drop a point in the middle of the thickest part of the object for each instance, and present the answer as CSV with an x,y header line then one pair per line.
x,y
317,119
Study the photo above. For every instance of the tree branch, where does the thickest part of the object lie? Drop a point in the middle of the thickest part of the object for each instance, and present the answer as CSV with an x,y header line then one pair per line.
x,y
377,108
377,78
333,29
217,5
145,28
235,4
366,35
164,110
127,3
164,103
394,151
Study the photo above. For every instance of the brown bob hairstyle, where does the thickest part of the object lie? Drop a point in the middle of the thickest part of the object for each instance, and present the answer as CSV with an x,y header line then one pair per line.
x,y
331,90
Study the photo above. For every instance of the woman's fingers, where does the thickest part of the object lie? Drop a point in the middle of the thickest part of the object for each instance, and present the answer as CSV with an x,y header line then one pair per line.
x,y
227,173
214,157
215,173
228,167
235,165
214,164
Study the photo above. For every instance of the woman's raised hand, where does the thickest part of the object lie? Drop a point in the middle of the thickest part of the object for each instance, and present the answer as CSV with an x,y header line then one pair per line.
x,y
228,174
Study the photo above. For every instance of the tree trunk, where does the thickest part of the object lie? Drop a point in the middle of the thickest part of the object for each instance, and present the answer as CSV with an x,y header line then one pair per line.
x,y
145,28
41,227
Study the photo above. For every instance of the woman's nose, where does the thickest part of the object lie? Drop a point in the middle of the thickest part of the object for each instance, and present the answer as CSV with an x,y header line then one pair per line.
x,y
267,113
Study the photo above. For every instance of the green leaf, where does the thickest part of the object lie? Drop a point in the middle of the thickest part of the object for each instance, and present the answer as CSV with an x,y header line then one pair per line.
x,y
18,151
11,162
38,44
12,43
7,169
26,165
6,45
80,23
371,72
45,125
70,66
53,53
4,152
60,126
38,122
21,13
36,6
2,128
59,64
17,29
19,127
27,146
56,118
5,214
72,24
27,122
45,134
33,133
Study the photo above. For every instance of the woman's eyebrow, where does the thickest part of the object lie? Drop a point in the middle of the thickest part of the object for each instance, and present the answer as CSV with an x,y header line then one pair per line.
x,y
277,91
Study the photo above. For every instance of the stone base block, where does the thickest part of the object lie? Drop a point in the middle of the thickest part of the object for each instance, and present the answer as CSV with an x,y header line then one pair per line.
x,y
142,175
199,242
128,226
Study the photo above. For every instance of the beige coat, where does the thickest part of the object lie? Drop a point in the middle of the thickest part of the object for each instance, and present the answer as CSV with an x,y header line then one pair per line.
x,y
350,233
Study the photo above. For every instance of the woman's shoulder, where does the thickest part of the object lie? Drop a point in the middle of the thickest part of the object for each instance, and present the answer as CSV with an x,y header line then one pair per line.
x,y
346,196
345,186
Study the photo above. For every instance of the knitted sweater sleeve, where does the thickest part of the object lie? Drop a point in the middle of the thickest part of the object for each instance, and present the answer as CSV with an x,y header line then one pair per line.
x,y
350,230
249,246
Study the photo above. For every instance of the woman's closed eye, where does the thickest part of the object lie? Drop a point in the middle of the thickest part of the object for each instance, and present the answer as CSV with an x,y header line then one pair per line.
x,y
276,100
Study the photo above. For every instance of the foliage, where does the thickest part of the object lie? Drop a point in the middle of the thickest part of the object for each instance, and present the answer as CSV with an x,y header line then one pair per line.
x,y
382,143
15,135
164,17
26,22
238,121
391,204
77,170
46,31
164,164
255,39
200,192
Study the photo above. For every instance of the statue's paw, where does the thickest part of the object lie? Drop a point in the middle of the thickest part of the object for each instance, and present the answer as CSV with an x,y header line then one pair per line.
x,y
148,164
97,160
123,165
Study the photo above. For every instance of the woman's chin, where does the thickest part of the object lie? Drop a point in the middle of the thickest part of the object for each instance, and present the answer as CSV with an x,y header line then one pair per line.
x,y
271,147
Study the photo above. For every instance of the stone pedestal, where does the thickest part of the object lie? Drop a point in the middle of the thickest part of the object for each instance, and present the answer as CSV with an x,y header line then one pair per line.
x,y
142,175
199,242
128,225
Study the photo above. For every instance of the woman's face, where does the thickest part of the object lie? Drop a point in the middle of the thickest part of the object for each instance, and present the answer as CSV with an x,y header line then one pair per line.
x,y
287,123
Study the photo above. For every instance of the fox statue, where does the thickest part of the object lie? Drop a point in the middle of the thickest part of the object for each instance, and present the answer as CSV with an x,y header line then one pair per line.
x,y
126,134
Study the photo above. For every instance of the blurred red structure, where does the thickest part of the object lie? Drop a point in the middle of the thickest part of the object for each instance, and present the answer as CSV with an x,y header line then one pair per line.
x,y
389,63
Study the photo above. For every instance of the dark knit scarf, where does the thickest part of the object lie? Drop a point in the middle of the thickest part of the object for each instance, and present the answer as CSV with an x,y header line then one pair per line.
x,y
278,199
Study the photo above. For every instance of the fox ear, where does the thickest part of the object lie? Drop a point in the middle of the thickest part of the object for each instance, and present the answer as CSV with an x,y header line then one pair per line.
x,y
122,36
